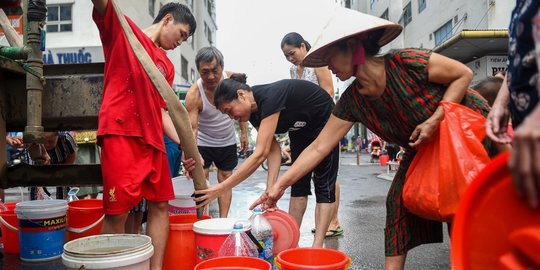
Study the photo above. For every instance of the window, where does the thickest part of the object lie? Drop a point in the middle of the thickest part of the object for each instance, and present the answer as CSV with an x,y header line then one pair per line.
x,y
385,15
59,18
210,7
421,5
443,33
192,76
190,3
184,68
151,7
407,14
348,3
209,35
371,4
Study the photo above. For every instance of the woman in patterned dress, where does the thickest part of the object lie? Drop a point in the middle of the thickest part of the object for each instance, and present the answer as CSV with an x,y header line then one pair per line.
x,y
397,97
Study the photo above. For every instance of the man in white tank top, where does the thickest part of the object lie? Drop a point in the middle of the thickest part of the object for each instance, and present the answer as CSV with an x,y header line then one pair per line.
x,y
214,130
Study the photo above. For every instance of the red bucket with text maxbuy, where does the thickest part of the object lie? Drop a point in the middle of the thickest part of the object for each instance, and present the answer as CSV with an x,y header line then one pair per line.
x,y
42,228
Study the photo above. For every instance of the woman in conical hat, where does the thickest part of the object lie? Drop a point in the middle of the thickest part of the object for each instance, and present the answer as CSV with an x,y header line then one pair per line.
x,y
397,97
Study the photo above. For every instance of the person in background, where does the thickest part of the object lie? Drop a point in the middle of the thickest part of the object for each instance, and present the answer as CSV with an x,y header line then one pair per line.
x,y
295,48
489,87
59,148
396,96
133,119
518,100
215,133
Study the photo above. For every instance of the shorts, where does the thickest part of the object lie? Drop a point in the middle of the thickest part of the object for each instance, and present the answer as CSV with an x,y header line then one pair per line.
x,y
324,174
225,157
132,170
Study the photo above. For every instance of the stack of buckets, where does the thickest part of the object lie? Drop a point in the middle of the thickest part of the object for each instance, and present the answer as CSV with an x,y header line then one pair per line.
x,y
36,230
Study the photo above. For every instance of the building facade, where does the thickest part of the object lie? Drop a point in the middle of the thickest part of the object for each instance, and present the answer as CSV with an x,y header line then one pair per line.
x,y
472,32
72,36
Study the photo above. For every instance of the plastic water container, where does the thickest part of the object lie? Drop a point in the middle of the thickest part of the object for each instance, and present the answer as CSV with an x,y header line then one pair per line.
x,y
180,251
236,263
42,228
210,235
262,231
10,229
84,218
238,244
312,258
109,251
183,202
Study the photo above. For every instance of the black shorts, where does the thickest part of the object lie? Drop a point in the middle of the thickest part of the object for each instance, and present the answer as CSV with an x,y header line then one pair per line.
x,y
324,175
225,157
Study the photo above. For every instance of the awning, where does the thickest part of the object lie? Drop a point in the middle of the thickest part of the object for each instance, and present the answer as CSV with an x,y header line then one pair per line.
x,y
471,44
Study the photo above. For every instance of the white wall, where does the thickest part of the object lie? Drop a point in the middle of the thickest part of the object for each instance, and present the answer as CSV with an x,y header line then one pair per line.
x,y
499,15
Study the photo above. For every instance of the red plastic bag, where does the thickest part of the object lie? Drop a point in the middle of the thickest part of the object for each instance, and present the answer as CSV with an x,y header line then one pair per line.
x,y
443,168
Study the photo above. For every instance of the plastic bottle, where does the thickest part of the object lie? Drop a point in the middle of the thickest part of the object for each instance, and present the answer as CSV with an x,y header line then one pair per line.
x,y
238,244
262,231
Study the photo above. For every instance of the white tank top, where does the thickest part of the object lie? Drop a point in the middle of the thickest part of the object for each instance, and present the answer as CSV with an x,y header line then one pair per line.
x,y
215,128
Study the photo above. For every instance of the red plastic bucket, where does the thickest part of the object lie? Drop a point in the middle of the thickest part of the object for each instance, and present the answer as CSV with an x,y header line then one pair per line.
x,y
84,218
312,258
236,263
210,235
9,225
493,224
383,160
180,252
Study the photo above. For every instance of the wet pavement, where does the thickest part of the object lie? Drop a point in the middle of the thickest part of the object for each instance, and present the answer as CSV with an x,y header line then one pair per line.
x,y
361,213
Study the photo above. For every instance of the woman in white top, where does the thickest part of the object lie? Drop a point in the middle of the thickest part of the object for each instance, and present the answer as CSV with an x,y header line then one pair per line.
x,y
295,48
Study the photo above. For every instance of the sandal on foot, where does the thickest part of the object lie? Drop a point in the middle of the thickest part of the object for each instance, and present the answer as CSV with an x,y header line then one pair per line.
x,y
333,233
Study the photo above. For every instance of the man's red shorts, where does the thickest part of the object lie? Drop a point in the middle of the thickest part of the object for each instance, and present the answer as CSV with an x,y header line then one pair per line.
x,y
132,170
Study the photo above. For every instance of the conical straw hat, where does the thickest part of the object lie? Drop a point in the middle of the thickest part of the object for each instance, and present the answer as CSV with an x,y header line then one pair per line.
x,y
346,23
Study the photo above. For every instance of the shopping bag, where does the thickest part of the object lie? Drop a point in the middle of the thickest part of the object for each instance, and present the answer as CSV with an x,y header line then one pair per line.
x,y
443,168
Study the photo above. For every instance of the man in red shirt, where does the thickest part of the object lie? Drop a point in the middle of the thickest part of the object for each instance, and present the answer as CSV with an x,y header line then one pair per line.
x,y
133,118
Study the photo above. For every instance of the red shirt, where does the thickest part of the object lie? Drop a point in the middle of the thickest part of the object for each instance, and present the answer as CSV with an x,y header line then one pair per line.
x,y
131,105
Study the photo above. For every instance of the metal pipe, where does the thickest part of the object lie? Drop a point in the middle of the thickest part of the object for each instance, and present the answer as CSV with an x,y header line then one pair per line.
x,y
33,132
16,53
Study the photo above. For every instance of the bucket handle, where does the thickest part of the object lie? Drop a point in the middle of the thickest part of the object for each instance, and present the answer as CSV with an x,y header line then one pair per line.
x,y
84,229
9,226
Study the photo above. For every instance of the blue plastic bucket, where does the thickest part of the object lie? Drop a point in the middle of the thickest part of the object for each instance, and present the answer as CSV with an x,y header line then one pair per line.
x,y
42,228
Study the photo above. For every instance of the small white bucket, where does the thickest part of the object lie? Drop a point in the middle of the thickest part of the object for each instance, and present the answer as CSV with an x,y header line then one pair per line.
x,y
42,228
211,233
183,202
109,251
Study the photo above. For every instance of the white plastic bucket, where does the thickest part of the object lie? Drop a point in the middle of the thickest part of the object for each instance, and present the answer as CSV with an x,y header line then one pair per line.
x,y
109,251
211,233
183,202
42,228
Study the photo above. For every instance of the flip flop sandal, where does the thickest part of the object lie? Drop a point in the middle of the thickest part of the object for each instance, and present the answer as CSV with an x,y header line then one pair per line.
x,y
333,233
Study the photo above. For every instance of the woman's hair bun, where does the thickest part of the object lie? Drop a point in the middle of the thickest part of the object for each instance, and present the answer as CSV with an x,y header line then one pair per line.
x,y
239,77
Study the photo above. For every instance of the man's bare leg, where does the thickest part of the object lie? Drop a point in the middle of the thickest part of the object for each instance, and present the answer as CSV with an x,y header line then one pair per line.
x,y
158,229
114,223
226,197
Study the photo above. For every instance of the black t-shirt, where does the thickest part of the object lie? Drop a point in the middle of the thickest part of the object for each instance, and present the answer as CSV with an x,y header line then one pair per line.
x,y
304,107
